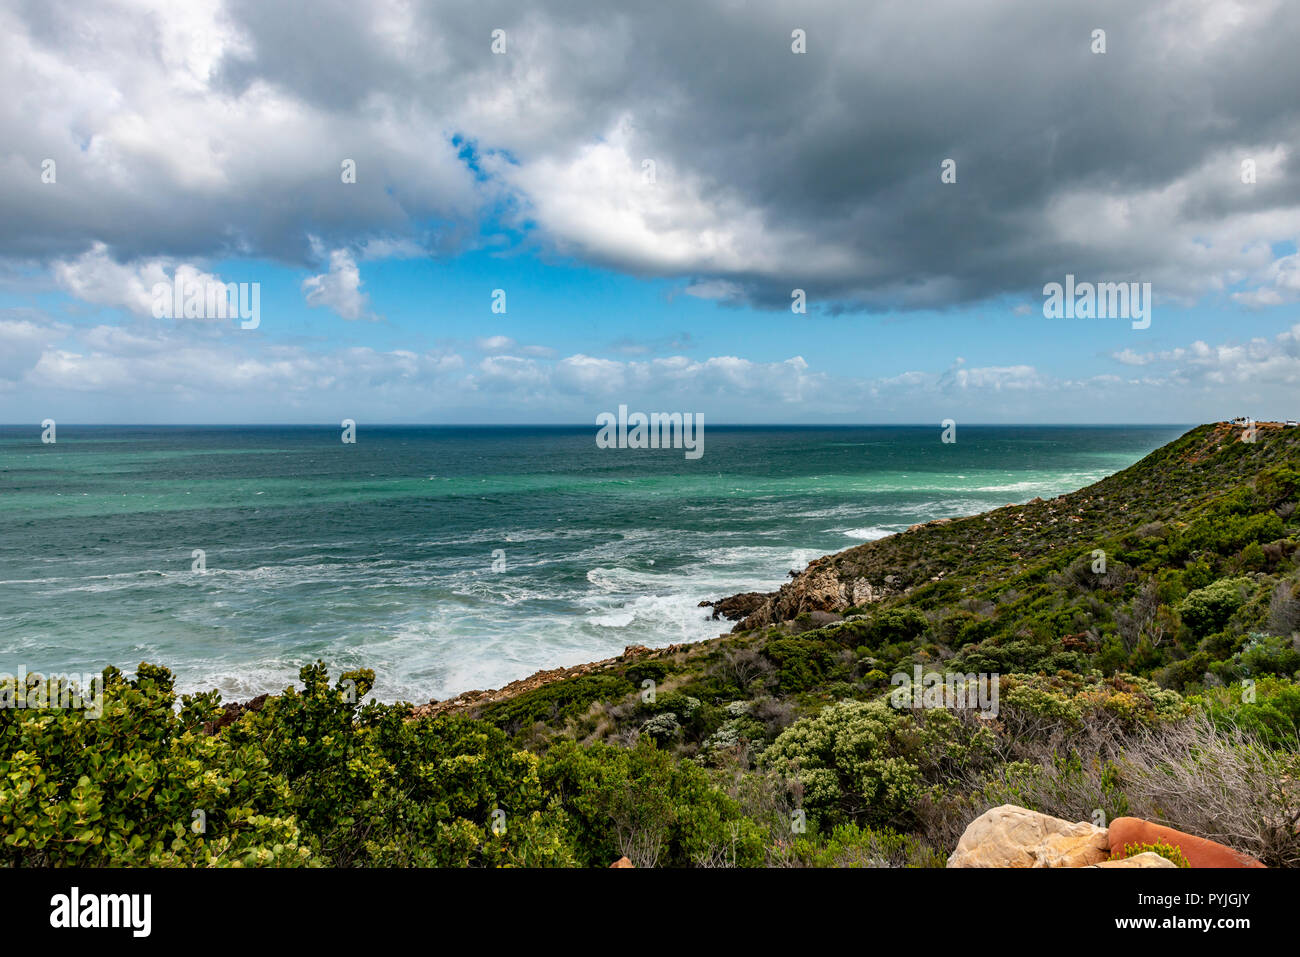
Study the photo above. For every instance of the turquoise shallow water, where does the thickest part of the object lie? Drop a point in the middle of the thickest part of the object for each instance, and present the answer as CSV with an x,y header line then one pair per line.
x,y
381,553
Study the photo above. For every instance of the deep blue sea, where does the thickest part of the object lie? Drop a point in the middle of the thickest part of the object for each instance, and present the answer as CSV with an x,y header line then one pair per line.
x,y
382,553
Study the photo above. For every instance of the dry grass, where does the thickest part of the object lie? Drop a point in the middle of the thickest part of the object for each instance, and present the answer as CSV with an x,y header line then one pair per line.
x,y
1218,783
1215,782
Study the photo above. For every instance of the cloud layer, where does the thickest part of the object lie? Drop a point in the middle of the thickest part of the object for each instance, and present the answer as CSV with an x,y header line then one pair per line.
x,y
210,129
206,371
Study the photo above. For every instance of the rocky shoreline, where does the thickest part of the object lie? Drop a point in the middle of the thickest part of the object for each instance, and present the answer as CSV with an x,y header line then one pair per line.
x,y
818,592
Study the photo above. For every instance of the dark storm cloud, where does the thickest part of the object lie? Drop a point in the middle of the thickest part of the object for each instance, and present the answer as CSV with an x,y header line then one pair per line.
x,y
820,171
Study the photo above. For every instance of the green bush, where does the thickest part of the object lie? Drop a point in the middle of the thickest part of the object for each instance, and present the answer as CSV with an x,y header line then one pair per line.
x,y
1208,609
1279,485
123,789
1037,706
558,701
803,664
313,777
895,625
849,845
866,762
1269,709
371,787
1062,785
641,803
1267,655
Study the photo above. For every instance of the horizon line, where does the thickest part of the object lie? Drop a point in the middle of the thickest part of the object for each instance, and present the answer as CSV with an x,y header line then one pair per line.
x,y
584,425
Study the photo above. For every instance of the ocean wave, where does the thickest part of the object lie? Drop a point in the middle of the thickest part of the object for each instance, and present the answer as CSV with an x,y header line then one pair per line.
x,y
874,533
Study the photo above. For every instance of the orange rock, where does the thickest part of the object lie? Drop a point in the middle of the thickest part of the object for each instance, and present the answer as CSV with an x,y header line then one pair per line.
x,y
622,862
1198,851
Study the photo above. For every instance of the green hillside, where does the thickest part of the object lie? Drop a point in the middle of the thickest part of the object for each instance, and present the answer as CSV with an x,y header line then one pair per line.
x,y
1143,634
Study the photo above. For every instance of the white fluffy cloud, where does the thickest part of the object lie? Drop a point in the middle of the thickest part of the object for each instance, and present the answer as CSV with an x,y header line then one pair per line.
x,y
96,277
651,215
1256,362
339,289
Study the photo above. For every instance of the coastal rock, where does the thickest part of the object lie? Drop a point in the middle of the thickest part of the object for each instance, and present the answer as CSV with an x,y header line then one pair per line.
x,y
862,592
1011,836
1145,859
1199,851
232,711
821,587
622,862
737,606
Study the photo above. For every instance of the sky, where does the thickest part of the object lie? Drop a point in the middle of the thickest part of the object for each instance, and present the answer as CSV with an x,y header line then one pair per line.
x,y
478,212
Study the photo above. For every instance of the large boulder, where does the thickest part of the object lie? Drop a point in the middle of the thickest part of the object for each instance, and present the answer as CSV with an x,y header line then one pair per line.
x,y
1011,836
824,586
1125,831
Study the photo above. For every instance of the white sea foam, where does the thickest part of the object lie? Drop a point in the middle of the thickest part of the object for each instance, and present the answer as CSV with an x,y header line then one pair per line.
x,y
874,532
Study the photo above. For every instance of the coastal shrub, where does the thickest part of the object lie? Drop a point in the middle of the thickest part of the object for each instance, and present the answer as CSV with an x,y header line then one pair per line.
x,y
936,594
1252,558
655,671
1195,575
1269,710
641,803
676,714
683,704
1267,655
774,714
802,664
1041,706
556,702
1208,609
663,727
1278,485
1284,610
1062,782
1018,655
371,787
849,845
894,625
313,776
728,735
309,738
866,762
964,627
461,796
141,785
1227,533
742,667
1179,675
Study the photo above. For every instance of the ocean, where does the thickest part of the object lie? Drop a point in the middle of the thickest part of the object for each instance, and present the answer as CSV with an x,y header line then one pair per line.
x,y
455,558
